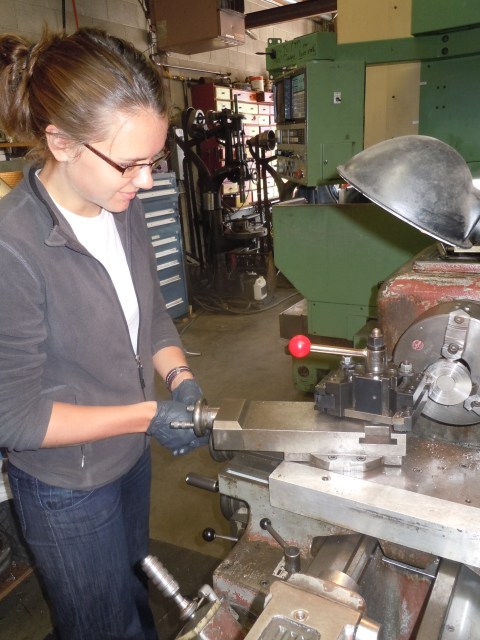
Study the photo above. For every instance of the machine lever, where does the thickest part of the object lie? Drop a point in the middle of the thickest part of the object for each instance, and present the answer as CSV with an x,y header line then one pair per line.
x,y
300,346
291,553
375,352
166,583
202,482
209,535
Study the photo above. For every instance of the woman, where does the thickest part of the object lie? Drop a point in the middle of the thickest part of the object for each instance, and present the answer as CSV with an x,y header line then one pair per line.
x,y
83,326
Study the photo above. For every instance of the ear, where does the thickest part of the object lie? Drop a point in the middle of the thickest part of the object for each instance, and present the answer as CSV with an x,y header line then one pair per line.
x,y
59,144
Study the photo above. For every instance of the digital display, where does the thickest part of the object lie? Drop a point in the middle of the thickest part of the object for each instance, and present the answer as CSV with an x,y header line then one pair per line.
x,y
290,98
298,96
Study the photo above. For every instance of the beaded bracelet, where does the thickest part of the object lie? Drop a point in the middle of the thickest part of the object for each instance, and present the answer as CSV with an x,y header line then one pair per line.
x,y
173,373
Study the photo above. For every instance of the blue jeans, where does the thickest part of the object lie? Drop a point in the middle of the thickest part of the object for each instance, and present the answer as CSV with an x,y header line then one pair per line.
x,y
87,546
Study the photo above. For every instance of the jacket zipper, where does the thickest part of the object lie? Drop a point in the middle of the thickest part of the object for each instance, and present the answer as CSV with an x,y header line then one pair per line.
x,y
140,374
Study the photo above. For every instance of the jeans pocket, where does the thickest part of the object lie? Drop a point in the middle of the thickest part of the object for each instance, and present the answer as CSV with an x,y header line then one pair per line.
x,y
52,498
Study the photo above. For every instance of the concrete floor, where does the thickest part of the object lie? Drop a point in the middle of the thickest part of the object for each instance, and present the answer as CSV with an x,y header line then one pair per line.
x,y
233,356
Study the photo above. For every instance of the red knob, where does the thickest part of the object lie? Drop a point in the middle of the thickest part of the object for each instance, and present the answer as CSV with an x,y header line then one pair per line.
x,y
299,346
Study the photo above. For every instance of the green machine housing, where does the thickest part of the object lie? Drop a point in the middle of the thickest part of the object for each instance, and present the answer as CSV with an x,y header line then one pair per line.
x,y
336,255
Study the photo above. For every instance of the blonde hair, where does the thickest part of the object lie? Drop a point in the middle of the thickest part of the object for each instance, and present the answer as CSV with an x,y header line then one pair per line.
x,y
76,82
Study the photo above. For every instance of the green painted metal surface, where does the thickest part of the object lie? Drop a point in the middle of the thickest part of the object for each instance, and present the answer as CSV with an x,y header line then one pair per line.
x,y
333,130
443,15
336,256
449,99
282,56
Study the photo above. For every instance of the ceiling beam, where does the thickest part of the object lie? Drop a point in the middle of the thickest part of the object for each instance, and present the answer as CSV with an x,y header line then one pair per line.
x,y
305,9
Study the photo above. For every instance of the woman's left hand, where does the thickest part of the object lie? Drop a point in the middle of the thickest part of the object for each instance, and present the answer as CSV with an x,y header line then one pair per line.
x,y
187,392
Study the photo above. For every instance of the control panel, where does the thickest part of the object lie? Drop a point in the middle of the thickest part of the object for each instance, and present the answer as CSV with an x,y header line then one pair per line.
x,y
319,119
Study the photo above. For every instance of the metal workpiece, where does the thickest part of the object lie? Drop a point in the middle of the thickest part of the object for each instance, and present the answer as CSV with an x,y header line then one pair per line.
x,y
295,429
202,420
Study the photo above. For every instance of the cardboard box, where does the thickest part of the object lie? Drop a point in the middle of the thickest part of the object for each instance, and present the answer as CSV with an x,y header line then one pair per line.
x,y
190,26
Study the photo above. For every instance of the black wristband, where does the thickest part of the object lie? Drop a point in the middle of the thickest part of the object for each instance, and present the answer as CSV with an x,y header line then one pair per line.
x,y
173,373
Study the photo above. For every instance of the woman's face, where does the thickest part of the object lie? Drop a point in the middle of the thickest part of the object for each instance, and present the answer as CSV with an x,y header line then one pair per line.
x,y
90,183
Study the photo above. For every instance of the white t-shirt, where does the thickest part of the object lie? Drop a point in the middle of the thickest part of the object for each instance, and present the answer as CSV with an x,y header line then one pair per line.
x,y
100,237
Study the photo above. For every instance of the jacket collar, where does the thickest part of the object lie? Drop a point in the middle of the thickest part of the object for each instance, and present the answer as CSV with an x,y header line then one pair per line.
x,y
61,234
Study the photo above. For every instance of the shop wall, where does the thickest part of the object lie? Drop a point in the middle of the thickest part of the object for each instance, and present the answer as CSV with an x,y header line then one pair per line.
x,y
126,19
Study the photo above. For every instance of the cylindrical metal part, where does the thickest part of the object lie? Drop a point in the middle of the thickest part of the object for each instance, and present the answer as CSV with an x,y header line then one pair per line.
x,y
376,352
339,351
166,583
203,417
208,201
264,140
202,482
292,559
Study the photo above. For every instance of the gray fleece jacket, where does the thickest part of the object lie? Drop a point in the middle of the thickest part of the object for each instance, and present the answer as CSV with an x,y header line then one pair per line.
x,y
63,336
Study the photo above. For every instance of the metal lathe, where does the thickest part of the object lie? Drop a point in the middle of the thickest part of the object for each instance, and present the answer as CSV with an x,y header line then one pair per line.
x,y
358,514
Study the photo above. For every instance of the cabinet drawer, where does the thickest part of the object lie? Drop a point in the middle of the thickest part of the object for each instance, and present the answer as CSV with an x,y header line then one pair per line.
x,y
172,263
169,236
161,204
157,193
177,306
168,253
247,107
157,219
223,104
167,280
222,93
245,96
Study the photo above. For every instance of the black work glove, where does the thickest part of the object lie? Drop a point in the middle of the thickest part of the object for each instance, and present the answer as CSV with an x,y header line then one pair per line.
x,y
187,392
178,441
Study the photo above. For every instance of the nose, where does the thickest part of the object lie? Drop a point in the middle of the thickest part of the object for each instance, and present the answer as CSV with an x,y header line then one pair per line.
x,y
143,179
